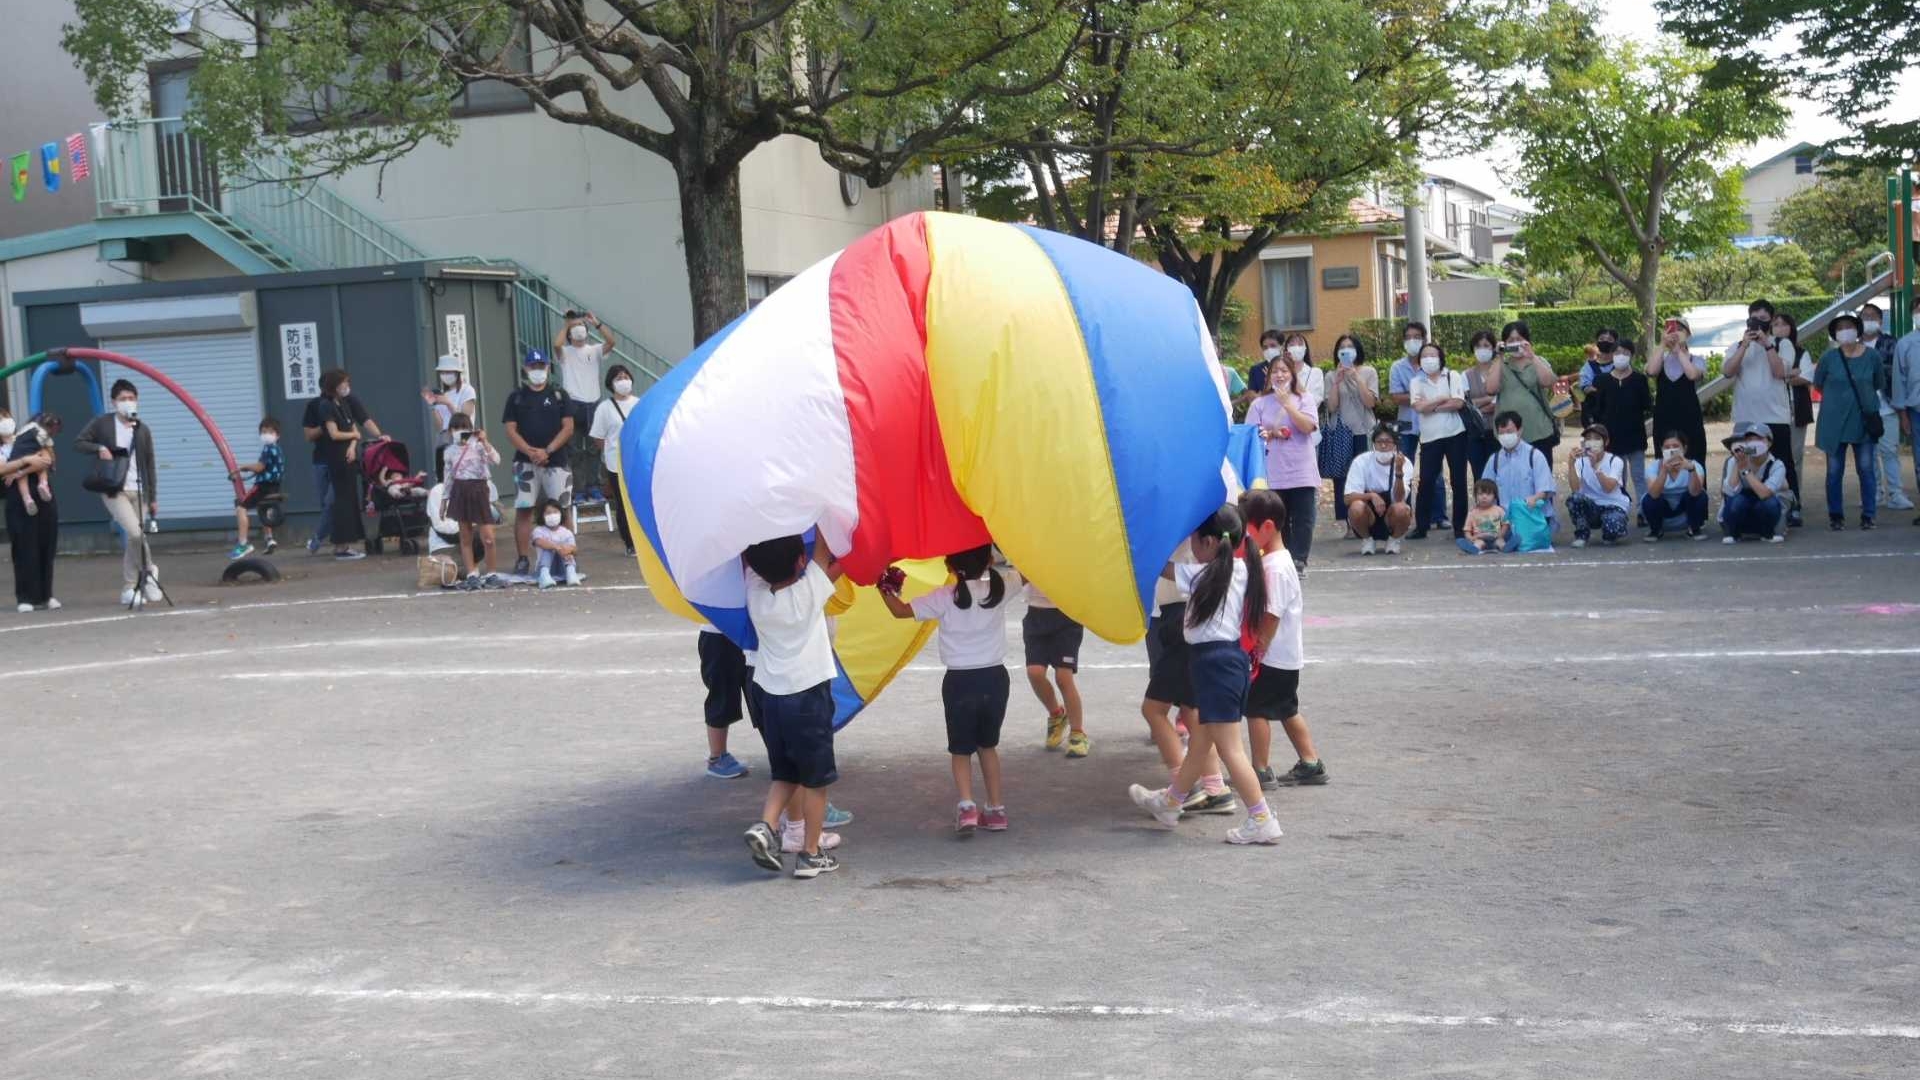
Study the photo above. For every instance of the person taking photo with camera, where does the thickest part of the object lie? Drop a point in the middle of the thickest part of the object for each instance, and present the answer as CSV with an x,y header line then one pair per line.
x,y
1750,485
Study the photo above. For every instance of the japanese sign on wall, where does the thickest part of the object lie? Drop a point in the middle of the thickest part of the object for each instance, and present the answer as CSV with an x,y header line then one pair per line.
x,y
300,359
457,341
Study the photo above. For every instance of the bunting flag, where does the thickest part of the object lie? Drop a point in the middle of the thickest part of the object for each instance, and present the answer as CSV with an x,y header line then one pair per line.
x,y
50,165
22,164
77,153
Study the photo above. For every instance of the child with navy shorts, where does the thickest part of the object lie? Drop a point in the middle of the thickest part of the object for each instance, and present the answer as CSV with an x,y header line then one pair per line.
x,y
1274,696
973,645
792,690
1052,640
724,672
1226,591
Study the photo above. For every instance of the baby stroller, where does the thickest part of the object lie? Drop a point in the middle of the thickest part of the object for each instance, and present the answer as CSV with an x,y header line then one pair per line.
x,y
396,495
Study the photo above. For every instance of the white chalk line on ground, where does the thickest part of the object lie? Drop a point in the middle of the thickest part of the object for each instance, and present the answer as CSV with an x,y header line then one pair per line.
x,y
1383,564
588,669
1344,1012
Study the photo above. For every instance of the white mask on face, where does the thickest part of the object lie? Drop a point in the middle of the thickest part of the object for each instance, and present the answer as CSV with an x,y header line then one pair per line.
x,y
1347,356
1483,354
128,408
553,520
1384,457
1413,345
1271,352
1847,336
6,427
537,377
1297,352
1622,362
623,387
1430,365
447,378
1509,440
578,335
1871,326
268,438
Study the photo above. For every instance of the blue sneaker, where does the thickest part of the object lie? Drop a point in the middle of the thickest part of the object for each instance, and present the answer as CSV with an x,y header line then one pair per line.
x,y
837,818
725,767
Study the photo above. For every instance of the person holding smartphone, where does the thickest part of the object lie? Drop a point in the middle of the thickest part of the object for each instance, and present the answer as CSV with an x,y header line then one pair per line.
x,y
1750,485
469,460
1520,384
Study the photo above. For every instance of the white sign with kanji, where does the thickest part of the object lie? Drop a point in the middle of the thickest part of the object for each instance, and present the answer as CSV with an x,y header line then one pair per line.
x,y
457,340
300,359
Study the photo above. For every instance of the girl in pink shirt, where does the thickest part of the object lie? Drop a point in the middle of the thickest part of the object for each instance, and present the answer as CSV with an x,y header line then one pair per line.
x,y
1287,417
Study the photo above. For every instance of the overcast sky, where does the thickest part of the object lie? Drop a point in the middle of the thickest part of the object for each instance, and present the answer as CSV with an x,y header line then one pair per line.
x,y
1638,18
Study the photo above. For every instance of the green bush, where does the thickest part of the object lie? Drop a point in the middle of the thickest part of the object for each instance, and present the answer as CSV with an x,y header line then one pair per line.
x,y
1382,337
1578,325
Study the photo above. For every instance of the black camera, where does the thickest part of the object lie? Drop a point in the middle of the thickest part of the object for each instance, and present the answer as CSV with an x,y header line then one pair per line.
x,y
572,314
1759,324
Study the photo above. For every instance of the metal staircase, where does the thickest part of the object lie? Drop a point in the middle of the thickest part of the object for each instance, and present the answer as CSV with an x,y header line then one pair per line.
x,y
154,168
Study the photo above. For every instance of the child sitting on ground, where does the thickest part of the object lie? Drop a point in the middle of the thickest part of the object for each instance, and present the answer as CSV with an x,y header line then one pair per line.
x,y
792,691
1487,523
973,645
267,474
554,544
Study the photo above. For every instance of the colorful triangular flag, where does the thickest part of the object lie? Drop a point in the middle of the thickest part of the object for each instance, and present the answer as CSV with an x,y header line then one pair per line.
x,y
50,165
22,166
77,153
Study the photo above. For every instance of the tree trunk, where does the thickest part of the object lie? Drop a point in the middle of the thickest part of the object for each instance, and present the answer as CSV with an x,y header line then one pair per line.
x,y
710,239
1647,294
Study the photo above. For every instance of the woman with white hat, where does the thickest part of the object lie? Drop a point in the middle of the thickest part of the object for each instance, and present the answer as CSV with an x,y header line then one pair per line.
x,y
453,395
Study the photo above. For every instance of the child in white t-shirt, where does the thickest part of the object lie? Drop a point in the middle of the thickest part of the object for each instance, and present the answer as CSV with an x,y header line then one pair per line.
x,y
973,645
1275,692
555,546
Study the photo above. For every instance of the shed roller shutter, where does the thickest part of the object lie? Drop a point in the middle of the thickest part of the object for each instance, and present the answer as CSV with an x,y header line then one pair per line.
x,y
222,372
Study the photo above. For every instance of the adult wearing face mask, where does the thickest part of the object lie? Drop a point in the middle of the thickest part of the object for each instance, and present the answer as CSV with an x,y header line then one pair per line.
x,y
341,440
1762,363
1479,397
539,421
1376,484
1523,472
451,396
1906,389
579,362
1849,417
1676,492
1352,392
1399,381
608,418
1287,417
1598,482
1676,379
1892,489
121,434
1439,395
1521,382
313,426
1620,401
1606,343
1750,487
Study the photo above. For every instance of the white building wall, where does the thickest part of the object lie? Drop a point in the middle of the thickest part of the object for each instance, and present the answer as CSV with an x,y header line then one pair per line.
x,y
1765,189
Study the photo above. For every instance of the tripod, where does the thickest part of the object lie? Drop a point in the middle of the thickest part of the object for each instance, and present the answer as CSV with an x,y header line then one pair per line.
x,y
147,576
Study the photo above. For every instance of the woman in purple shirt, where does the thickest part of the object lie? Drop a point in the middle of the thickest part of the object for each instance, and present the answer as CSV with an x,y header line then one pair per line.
x,y
1287,416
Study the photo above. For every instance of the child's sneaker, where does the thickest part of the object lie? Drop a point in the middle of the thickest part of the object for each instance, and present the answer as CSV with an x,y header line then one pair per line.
x,y
1203,802
1056,729
994,819
793,838
726,767
764,848
836,818
1305,774
546,578
1078,745
812,866
1155,803
32,507
1260,830
966,819
271,545
1267,781
574,576
240,551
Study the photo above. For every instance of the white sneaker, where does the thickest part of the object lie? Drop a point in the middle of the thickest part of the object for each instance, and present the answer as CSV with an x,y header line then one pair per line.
x,y
153,584
1366,546
1729,539
1156,803
126,597
1393,546
52,604
574,576
1900,503
1777,538
793,838
24,608
1578,544
1250,831
546,578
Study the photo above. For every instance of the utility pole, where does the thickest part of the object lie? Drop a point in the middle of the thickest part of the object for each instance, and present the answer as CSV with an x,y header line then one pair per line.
x,y
1419,303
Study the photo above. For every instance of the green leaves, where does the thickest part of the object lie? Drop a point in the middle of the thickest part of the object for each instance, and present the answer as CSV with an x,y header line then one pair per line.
x,y
1841,222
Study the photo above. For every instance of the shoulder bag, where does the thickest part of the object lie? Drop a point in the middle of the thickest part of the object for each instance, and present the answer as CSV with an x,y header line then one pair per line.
x,y
1869,404
108,477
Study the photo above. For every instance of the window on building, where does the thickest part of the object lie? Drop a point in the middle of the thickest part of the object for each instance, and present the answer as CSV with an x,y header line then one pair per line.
x,y
761,286
1287,285
1803,163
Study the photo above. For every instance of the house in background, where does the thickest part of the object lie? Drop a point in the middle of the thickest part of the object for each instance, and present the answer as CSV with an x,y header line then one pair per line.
x,y
1773,182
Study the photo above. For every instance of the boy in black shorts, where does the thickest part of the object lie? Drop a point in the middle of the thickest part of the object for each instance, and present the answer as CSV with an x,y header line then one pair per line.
x,y
267,474
1053,641
1275,693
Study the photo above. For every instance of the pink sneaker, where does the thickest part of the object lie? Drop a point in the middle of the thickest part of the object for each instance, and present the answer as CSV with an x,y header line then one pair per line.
x,y
994,819
967,820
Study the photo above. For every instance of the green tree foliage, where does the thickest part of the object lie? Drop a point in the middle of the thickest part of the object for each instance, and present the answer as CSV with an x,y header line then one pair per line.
x,y
1739,274
1619,147
339,84
1850,53
1841,222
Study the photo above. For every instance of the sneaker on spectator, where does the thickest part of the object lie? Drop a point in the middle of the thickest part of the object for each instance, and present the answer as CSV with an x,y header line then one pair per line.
x,y
1777,538
1393,545
1579,542
574,576
52,604
271,545
127,597
154,595
494,581
1366,546
726,767
546,578
349,555
521,566
313,546
23,608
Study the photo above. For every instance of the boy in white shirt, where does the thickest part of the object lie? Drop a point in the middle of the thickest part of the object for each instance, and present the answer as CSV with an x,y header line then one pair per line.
x,y
1275,693
792,689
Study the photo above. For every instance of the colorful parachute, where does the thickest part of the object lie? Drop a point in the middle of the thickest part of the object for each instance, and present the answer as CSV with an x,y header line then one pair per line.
x,y
942,381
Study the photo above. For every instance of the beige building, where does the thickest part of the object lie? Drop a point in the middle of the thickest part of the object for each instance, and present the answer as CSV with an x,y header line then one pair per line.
x,y
1772,182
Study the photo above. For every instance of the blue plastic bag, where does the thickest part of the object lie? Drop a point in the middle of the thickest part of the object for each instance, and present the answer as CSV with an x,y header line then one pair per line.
x,y
1531,526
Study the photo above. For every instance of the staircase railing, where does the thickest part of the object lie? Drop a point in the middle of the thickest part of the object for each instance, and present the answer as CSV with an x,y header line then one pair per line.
x,y
156,166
